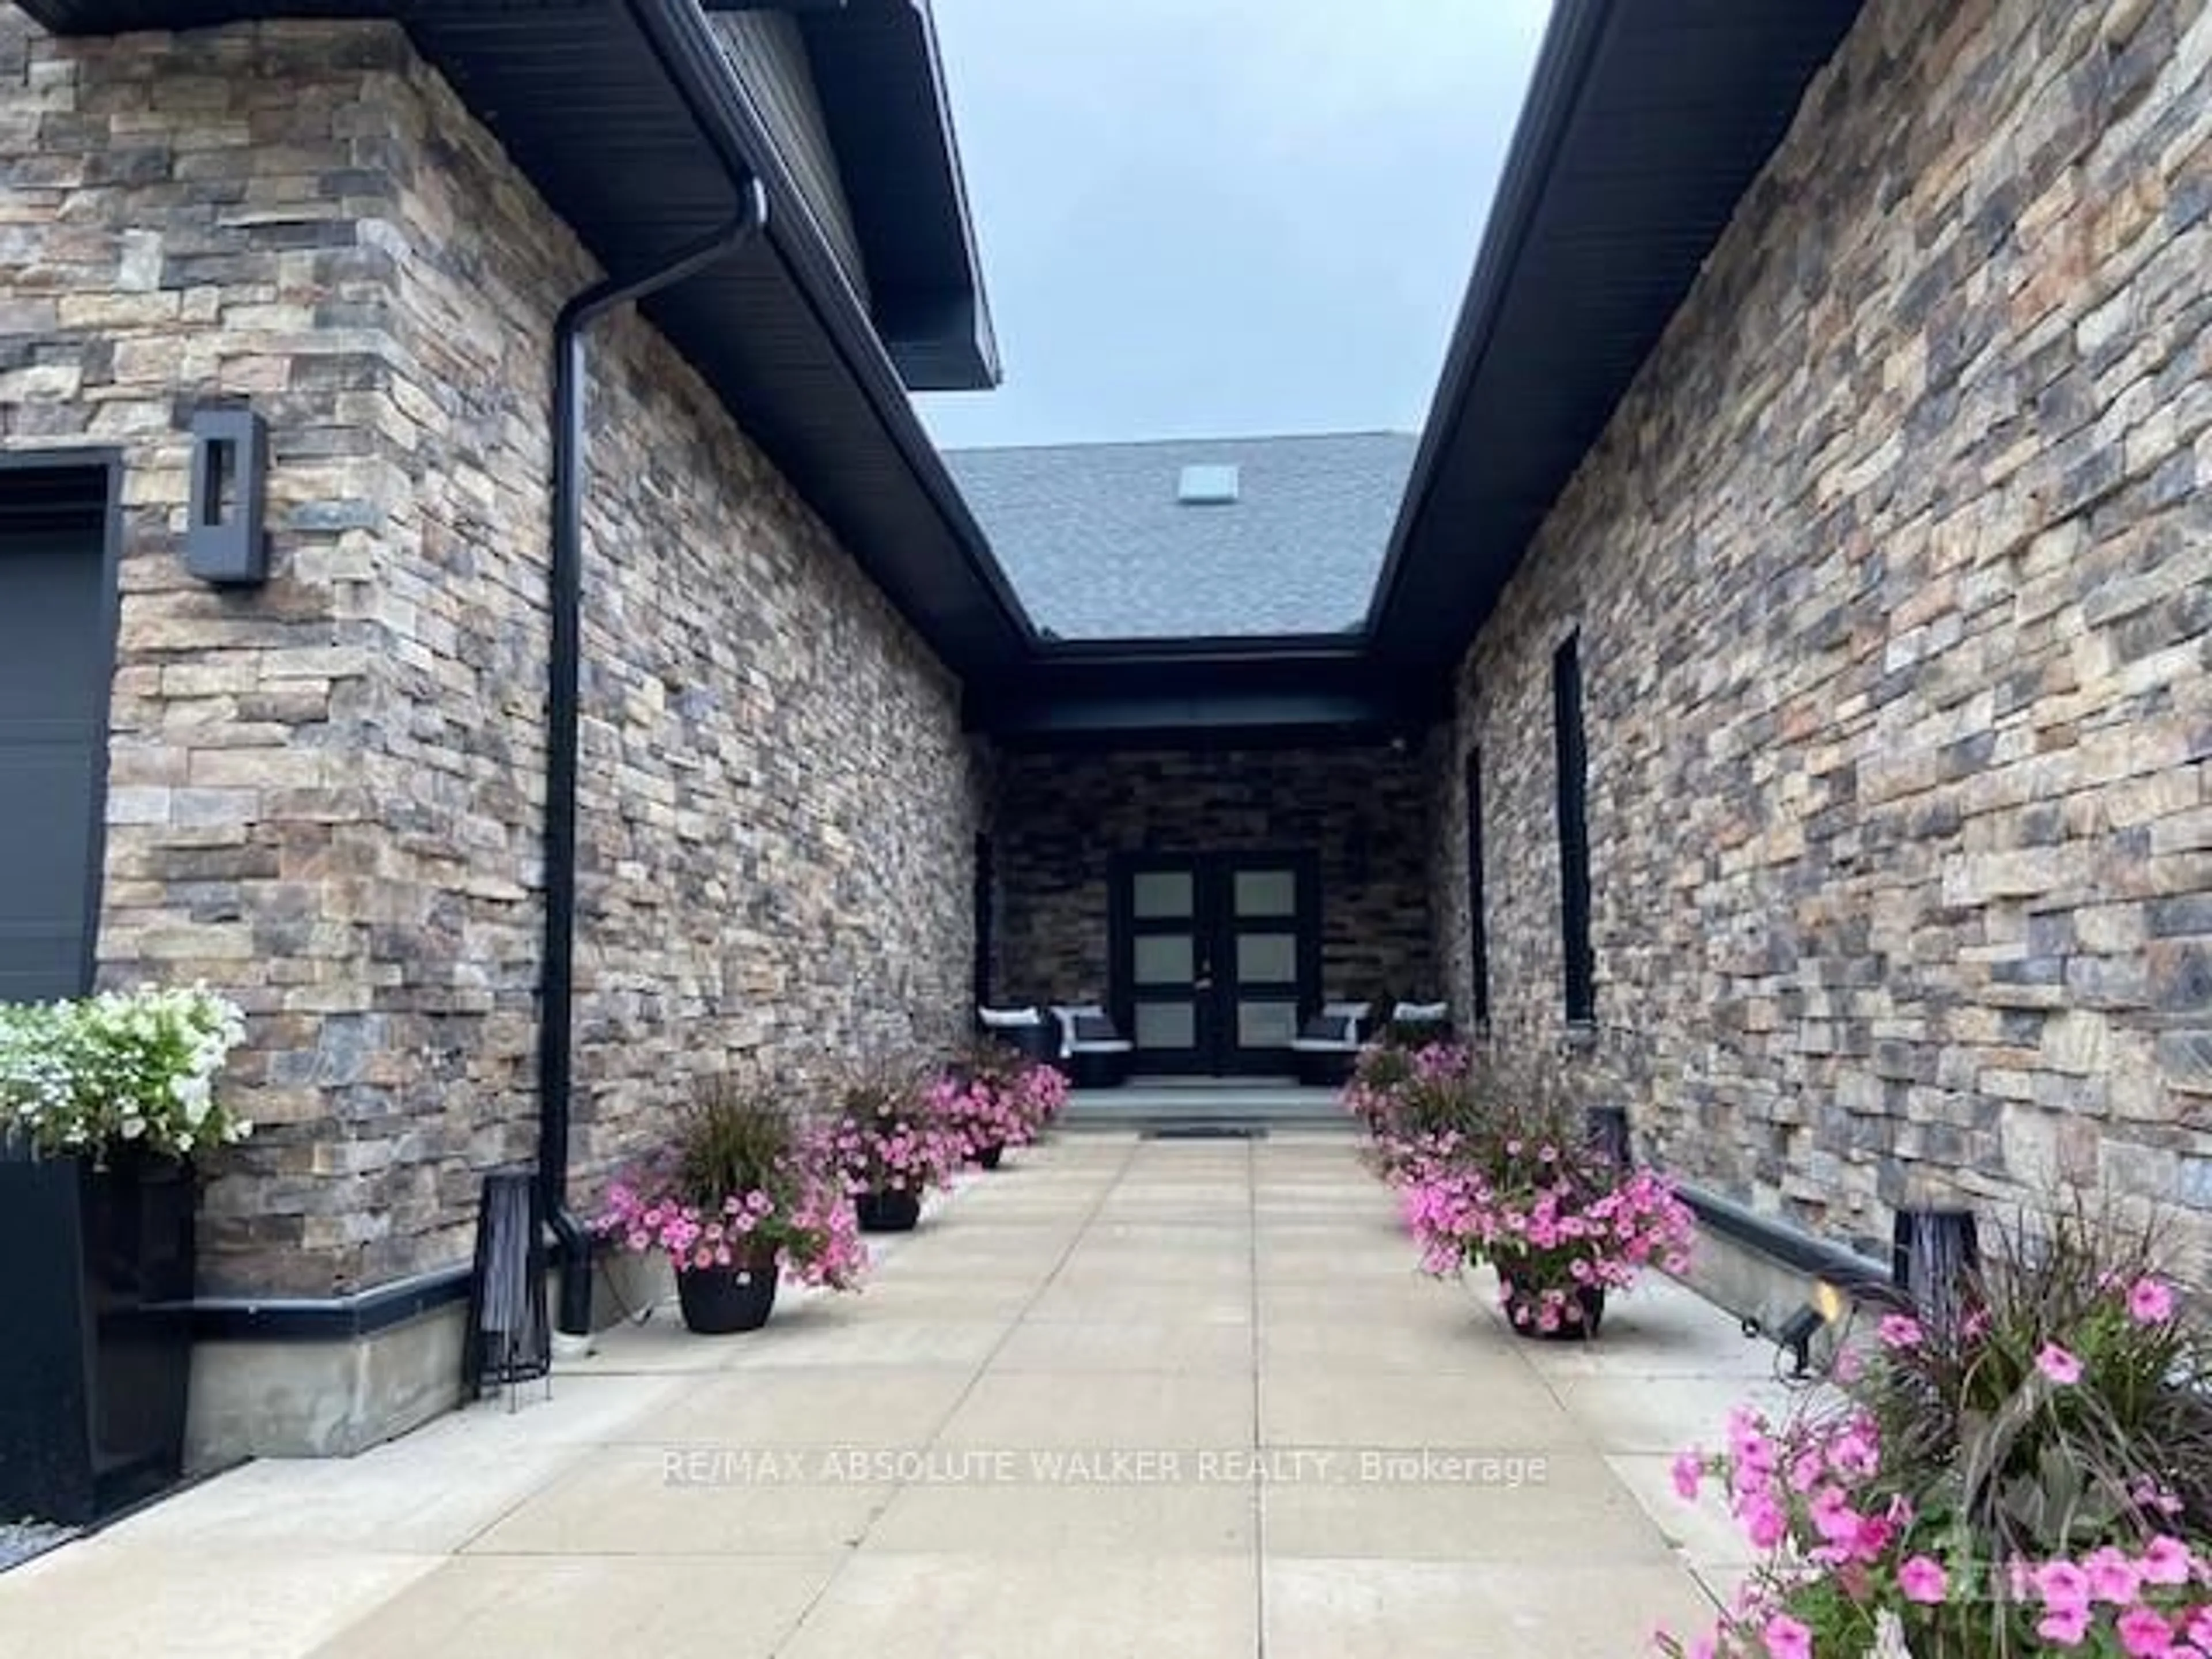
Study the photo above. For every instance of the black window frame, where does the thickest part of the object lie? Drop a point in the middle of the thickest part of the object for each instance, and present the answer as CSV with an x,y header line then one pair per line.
x,y
982,970
1571,754
1477,888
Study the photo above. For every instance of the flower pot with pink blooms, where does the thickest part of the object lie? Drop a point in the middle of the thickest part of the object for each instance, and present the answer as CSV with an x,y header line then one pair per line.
x,y
1418,1106
2026,1468
995,1097
739,1198
1520,1185
892,1142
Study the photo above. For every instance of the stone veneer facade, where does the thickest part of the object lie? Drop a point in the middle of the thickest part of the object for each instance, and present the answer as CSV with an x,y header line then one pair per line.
x,y
1062,818
1892,576
326,794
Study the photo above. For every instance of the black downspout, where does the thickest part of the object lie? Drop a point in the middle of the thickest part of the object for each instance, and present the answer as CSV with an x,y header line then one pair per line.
x,y
557,1019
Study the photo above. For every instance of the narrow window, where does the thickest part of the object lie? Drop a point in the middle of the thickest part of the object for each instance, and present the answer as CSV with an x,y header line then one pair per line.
x,y
986,894
1476,908
1574,833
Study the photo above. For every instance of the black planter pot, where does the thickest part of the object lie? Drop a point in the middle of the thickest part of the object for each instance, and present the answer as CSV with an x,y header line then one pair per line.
x,y
888,1212
1590,1298
95,1370
988,1157
722,1301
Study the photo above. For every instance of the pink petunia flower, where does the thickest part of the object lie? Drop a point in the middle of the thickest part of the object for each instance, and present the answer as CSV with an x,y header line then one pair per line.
x,y
1763,1522
1922,1580
2058,1365
1787,1640
1898,1331
2145,1633
2064,1626
2165,1560
2150,1302
2112,1576
1689,1473
2064,1586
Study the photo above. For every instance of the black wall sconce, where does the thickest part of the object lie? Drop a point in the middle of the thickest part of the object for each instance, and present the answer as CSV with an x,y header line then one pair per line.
x,y
224,543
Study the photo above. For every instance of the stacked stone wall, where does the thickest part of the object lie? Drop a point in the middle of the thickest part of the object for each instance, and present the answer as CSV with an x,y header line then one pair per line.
x,y
1892,575
326,793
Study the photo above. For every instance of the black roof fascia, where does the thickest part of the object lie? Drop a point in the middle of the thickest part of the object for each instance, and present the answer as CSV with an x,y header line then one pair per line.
x,y
881,81
1148,654
590,101
1562,70
689,39
1645,123
1130,701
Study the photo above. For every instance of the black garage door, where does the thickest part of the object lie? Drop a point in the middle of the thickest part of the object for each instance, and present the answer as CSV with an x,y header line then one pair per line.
x,y
56,659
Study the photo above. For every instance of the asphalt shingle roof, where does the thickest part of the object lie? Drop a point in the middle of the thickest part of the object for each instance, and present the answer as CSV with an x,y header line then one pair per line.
x,y
1098,547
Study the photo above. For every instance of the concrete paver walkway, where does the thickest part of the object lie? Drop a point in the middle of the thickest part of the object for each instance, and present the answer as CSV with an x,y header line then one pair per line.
x,y
1124,1397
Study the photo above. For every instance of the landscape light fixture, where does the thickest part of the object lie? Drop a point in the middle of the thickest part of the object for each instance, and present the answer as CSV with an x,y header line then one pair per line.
x,y
1811,1318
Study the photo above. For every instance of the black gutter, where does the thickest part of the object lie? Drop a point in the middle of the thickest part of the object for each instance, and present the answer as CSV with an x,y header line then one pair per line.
x,y
565,582
1571,44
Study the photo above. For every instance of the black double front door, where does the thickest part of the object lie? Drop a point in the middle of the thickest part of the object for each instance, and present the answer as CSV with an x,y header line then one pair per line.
x,y
1216,956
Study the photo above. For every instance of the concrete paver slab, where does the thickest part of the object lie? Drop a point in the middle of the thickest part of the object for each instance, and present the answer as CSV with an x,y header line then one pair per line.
x,y
1361,1609
671,1605
1066,1606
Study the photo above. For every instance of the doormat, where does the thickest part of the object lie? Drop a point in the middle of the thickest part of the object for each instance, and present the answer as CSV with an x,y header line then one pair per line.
x,y
1206,1132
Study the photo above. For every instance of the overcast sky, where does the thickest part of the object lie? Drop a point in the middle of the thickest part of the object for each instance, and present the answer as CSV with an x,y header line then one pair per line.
x,y
1219,217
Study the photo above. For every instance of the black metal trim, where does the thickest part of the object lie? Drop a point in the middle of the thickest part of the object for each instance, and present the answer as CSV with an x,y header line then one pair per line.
x,y
1142,653
328,1319
107,460
1847,1270
1563,68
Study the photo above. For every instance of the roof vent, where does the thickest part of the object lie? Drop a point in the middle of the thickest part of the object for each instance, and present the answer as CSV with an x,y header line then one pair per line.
x,y
1208,486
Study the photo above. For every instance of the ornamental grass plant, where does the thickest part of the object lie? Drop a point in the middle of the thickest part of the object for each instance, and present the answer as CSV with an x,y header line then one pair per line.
x,y
740,1184
2027,1471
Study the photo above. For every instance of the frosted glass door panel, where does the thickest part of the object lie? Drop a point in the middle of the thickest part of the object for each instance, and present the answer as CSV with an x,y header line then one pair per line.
x,y
1165,959
1166,1025
1164,896
1266,1025
1267,959
1267,893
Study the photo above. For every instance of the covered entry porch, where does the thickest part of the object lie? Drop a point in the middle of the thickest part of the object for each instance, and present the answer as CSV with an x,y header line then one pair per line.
x,y
1213,902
